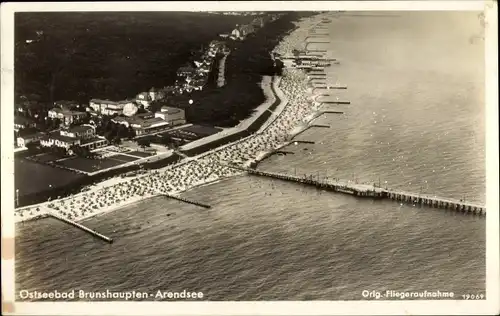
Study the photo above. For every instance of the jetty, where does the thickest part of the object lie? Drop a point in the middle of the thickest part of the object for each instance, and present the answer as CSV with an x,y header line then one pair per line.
x,y
335,102
321,76
324,86
320,125
374,192
303,141
332,112
315,36
284,152
85,229
181,199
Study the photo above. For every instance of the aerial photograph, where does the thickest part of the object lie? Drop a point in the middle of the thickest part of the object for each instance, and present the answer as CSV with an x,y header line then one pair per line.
x,y
249,156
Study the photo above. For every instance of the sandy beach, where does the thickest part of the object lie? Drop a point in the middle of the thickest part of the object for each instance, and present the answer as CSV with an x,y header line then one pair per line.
x,y
290,117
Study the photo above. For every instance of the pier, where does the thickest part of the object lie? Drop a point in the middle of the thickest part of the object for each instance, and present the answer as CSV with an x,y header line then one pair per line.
x,y
369,191
85,229
181,199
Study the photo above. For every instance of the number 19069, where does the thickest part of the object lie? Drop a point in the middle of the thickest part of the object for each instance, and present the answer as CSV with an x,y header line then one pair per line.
x,y
473,296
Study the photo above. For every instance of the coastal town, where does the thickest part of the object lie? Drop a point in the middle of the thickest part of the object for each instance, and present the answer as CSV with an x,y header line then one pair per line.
x,y
114,135
108,134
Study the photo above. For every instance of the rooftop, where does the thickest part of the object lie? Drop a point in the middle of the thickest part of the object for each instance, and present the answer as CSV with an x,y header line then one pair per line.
x,y
57,136
169,109
80,128
110,102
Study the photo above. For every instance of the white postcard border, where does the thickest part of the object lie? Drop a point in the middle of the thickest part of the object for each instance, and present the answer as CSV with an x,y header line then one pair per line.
x,y
489,306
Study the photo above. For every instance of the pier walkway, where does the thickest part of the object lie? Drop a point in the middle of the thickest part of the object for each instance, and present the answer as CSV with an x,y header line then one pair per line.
x,y
370,191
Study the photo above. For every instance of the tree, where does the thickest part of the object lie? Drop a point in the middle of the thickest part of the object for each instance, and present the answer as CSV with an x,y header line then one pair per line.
x,y
76,150
130,132
116,140
32,147
85,152
143,142
121,131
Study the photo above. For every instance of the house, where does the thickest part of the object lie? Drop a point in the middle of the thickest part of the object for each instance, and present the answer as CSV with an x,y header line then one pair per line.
x,y
22,141
21,122
198,63
173,116
246,29
216,44
148,125
122,120
168,90
144,99
156,94
186,71
240,32
83,136
107,107
82,131
67,116
56,139
235,34
65,104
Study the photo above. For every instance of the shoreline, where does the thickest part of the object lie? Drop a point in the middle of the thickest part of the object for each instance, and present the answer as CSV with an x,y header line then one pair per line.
x,y
292,112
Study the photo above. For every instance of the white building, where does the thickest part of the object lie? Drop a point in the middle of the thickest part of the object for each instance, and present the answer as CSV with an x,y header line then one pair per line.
x,y
67,116
83,136
173,116
22,141
107,107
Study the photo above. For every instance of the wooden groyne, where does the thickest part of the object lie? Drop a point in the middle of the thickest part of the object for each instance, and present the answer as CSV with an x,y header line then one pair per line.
x,y
368,191
343,87
320,125
317,51
86,229
315,37
317,76
335,102
284,152
332,111
181,199
316,72
304,142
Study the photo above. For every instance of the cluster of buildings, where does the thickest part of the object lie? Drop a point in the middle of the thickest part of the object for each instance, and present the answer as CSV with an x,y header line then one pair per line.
x,y
71,132
240,32
148,123
194,75
80,135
